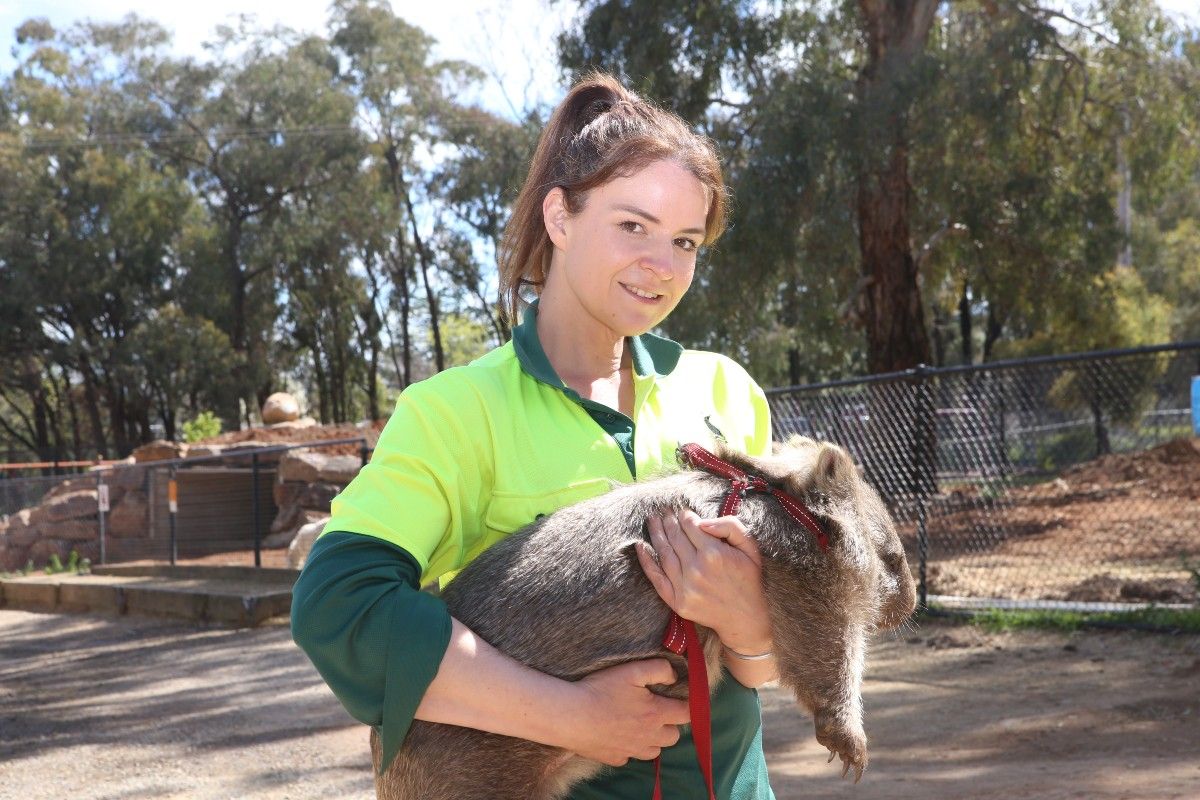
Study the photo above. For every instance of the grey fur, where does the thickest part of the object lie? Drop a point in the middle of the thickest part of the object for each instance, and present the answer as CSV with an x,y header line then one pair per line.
x,y
577,570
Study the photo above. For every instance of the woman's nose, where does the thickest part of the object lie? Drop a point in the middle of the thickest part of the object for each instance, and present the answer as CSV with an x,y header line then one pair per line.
x,y
660,259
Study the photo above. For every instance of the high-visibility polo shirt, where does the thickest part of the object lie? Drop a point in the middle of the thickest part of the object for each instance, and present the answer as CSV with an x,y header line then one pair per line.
x,y
471,455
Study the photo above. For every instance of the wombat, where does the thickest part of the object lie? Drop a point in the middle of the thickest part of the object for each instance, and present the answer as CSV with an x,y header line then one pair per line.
x,y
577,570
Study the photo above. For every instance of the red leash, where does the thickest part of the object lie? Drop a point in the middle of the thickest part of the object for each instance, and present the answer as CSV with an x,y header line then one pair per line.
x,y
681,636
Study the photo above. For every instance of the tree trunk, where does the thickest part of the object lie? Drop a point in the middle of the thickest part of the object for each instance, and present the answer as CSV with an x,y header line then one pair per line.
x,y
439,355
896,31
964,324
93,407
939,336
794,366
991,331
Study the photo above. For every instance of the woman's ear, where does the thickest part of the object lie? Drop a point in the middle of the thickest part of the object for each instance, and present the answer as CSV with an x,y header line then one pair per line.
x,y
554,214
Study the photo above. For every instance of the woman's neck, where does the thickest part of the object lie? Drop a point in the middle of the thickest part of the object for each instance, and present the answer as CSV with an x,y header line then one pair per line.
x,y
581,350
587,356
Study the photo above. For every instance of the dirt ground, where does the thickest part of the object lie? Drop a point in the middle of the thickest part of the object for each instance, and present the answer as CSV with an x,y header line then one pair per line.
x,y
107,708
1119,528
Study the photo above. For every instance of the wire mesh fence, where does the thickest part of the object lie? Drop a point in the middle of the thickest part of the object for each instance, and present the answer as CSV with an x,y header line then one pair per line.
x,y
234,505
1066,482
1070,480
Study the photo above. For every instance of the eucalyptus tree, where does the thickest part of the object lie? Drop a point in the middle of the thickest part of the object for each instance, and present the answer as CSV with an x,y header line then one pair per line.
x,y
402,94
477,184
89,226
888,157
254,128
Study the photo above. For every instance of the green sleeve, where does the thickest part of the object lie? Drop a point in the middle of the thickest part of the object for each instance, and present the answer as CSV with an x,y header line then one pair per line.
x,y
373,635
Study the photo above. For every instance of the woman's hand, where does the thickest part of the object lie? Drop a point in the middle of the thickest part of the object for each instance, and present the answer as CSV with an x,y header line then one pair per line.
x,y
622,718
709,571
609,716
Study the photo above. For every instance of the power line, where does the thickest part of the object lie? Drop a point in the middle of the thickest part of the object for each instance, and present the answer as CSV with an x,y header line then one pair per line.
x,y
114,138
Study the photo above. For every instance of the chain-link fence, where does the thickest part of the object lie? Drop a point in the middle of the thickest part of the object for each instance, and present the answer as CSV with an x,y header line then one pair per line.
x,y
1070,482
241,504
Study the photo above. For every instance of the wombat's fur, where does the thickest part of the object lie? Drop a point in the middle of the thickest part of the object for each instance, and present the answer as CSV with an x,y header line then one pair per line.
x,y
577,570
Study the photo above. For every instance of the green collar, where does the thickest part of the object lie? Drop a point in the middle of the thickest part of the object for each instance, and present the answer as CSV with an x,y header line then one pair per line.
x,y
651,354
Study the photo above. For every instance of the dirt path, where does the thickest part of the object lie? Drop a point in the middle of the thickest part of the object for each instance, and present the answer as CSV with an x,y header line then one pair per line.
x,y
97,708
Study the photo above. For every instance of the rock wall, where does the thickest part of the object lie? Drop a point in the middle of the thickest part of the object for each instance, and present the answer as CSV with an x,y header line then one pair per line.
x,y
67,517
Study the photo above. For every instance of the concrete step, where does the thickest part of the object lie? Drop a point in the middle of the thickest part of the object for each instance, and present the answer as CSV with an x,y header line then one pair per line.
x,y
235,596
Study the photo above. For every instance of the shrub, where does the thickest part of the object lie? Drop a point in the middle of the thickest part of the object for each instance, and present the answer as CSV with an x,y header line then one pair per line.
x,y
206,425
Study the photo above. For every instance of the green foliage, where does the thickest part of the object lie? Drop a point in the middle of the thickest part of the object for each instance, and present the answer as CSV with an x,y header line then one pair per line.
x,y
76,565
325,210
1010,119
205,425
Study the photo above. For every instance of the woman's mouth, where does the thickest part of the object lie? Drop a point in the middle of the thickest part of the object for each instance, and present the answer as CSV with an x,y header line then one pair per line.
x,y
644,295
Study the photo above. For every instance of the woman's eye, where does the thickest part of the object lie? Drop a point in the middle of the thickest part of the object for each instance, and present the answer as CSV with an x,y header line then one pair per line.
x,y
687,245
632,227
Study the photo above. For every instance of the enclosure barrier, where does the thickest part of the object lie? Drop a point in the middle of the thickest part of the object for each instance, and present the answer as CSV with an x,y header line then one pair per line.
x,y
239,505
1069,482
1061,482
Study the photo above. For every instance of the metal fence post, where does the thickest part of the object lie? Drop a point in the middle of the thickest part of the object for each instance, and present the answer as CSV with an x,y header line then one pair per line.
x,y
923,465
173,509
102,507
254,509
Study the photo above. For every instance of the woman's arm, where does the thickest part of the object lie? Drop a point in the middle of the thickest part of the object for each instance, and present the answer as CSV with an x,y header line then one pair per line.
x,y
391,652
710,571
609,716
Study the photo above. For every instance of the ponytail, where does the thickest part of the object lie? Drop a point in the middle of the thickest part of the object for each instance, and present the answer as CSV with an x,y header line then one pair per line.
x,y
600,131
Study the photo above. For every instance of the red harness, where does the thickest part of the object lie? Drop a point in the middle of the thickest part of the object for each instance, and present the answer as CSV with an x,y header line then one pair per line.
x,y
681,636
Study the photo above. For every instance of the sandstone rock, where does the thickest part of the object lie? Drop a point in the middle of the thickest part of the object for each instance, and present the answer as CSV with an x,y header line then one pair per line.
x,y
288,518
280,407
70,529
129,517
319,495
41,550
313,467
69,486
238,455
13,557
21,532
126,478
196,450
287,492
285,537
303,422
303,541
73,505
159,450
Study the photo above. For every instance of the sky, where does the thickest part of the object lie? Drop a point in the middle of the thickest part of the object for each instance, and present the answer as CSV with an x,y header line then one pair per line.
x,y
513,40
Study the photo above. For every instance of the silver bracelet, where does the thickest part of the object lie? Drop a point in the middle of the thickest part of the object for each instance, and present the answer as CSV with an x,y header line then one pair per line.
x,y
745,657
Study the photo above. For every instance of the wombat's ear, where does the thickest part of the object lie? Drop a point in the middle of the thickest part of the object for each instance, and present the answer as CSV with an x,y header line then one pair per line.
x,y
834,473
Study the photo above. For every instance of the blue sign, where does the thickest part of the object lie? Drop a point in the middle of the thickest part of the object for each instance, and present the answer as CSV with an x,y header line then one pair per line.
x,y
1196,405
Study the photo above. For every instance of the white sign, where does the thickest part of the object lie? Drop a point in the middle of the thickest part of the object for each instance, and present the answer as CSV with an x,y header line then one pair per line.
x,y
102,495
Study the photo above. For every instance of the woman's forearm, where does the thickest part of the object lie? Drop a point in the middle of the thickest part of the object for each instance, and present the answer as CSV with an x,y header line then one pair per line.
x,y
750,673
479,687
609,716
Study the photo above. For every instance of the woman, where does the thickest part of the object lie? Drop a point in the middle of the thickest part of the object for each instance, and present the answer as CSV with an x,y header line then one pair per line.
x,y
619,198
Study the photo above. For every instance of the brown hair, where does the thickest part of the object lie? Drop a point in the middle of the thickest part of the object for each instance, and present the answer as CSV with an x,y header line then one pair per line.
x,y
600,131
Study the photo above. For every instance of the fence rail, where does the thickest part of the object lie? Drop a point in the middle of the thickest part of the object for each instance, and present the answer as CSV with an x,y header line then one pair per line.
x,y
1068,479
237,504
1061,480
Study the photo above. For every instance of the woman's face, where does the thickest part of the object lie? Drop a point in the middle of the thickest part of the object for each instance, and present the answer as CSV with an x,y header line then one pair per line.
x,y
628,256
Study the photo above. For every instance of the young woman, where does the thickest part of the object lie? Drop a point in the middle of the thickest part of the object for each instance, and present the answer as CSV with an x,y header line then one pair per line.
x,y
619,198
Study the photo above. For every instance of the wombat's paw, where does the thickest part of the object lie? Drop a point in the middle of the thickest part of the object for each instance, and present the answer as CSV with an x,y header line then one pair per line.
x,y
850,746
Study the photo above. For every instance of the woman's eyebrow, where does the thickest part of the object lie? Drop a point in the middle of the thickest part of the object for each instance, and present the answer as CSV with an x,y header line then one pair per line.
x,y
646,215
